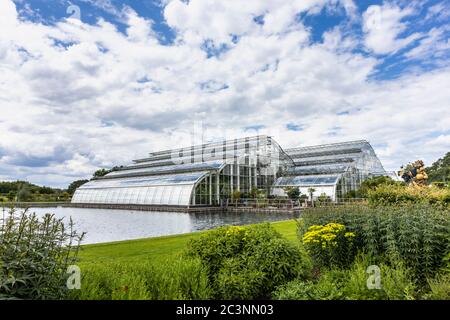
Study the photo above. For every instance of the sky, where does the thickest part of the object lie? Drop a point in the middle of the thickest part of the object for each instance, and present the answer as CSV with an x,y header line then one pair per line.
x,y
91,84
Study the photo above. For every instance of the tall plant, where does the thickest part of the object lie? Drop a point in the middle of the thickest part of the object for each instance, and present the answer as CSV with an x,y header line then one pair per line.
x,y
35,255
417,235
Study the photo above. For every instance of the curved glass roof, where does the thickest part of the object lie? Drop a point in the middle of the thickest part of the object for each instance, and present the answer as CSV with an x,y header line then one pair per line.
x,y
311,180
169,179
174,189
210,165
318,169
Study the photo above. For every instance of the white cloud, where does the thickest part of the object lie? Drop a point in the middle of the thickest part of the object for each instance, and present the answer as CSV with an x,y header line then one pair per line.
x,y
435,46
383,26
439,11
75,97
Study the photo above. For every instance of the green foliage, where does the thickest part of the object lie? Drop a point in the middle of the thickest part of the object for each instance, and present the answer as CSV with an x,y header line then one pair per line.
x,y
24,194
323,198
236,195
293,193
330,245
440,170
248,262
253,193
34,256
101,172
399,194
311,192
351,284
329,286
25,191
175,279
370,185
417,235
74,185
439,287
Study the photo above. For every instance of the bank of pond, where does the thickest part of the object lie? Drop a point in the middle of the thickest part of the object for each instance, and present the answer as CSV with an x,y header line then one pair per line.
x,y
346,252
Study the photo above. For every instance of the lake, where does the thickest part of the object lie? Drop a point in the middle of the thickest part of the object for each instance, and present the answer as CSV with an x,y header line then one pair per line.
x,y
106,225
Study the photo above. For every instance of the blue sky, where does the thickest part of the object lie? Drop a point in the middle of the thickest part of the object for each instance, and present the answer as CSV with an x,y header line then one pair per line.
x,y
130,77
327,18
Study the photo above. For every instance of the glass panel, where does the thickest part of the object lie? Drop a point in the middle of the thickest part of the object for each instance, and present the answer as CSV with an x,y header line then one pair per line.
x,y
170,169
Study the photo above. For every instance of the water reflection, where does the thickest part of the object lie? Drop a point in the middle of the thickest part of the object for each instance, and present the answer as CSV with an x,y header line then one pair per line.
x,y
104,225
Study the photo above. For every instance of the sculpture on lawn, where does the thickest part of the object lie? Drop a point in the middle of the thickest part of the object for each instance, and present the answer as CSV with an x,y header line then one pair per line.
x,y
414,173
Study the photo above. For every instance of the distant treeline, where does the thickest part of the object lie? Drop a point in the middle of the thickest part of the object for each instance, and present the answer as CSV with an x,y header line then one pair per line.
x,y
24,191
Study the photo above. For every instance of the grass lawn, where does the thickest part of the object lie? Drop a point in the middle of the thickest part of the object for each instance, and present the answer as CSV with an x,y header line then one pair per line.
x,y
157,249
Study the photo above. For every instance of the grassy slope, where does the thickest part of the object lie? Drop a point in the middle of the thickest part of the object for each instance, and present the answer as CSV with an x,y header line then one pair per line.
x,y
156,248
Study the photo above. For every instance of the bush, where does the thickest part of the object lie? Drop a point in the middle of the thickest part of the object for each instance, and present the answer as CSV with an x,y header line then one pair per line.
x,y
351,284
439,288
399,194
35,255
330,245
417,235
248,262
179,279
328,287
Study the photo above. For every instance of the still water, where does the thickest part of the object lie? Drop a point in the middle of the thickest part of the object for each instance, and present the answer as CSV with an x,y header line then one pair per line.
x,y
105,225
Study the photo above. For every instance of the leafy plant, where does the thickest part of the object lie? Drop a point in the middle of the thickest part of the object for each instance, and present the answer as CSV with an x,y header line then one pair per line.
x,y
351,284
330,244
293,193
399,194
248,262
178,279
34,255
418,235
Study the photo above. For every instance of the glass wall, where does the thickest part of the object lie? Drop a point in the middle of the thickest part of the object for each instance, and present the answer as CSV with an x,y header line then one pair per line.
x,y
341,166
209,174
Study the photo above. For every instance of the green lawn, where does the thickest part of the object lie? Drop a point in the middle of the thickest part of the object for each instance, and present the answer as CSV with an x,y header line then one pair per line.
x,y
158,248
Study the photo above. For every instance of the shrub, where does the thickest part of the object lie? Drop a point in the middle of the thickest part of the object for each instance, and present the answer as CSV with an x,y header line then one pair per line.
x,y
345,284
293,193
328,287
248,262
439,288
399,194
419,235
396,282
330,244
171,280
34,256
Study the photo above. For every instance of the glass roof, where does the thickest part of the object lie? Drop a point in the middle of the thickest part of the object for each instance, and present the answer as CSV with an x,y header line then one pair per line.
x,y
170,179
210,165
307,180
318,169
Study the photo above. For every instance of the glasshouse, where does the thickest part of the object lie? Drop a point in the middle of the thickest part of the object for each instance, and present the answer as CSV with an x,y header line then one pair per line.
x,y
208,174
329,169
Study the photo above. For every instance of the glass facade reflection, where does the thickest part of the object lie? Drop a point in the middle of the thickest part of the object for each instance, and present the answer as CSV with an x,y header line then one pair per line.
x,y
208,174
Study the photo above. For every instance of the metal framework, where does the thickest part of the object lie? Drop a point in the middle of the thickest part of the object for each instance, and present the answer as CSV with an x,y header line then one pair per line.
x,y
210,173
330,169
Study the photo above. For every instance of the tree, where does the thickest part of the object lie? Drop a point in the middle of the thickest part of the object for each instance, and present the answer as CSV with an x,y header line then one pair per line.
x,y
236,195
75,185
253,193
101,172
293,193
440,170
311,193
372,184
24,194
11,195
323,198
